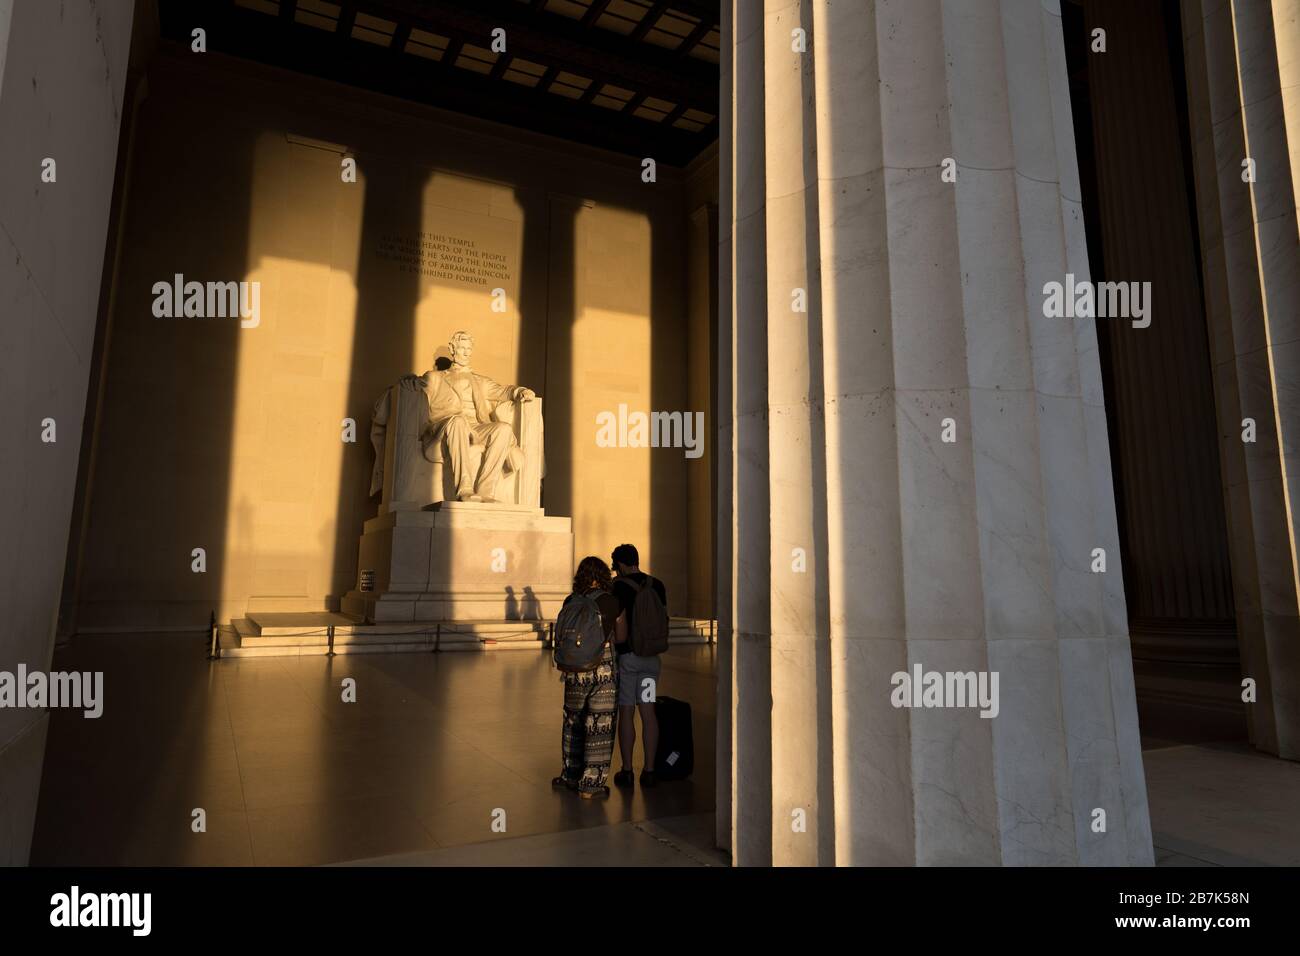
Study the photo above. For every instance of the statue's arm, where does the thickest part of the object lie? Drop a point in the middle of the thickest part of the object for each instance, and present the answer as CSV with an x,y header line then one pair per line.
x,y
506,393
495,392
518,393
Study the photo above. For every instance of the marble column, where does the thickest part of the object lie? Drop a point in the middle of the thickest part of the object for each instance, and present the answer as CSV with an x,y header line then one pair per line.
x,y
1243,81
1162,395
52,242
724,449
751,665
920,465
802,811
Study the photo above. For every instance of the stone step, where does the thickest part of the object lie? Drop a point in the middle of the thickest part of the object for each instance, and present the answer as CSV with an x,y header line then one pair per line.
x,y
293,634
314,624
294,604
686,630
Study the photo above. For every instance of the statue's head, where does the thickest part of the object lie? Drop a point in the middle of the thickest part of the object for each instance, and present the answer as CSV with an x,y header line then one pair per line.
x,y
462,346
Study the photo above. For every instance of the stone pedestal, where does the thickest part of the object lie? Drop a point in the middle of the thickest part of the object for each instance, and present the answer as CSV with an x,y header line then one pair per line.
x,y
463,561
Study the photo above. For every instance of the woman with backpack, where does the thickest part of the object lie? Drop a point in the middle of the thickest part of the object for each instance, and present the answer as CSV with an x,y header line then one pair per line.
x,y
586,630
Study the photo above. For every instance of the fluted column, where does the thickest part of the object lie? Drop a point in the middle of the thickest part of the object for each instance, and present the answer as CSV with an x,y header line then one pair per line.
x,y
725,449
1243,76
943,452
751,759
802,806
1176,550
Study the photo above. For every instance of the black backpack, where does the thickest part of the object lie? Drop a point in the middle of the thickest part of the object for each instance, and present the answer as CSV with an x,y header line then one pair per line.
x,y
579,634
649,620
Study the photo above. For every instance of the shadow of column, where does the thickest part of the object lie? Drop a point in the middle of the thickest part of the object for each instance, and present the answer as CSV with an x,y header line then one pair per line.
x,y
669,544
561,298
383,339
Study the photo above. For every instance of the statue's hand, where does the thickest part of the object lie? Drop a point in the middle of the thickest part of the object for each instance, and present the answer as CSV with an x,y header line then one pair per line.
x,y
524,394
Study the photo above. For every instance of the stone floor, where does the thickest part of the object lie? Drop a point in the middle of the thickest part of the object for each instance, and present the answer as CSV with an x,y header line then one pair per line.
x,y
666,841
411,773
289,774
1222,805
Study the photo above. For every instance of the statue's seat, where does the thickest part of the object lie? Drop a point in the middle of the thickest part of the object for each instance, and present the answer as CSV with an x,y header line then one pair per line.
x,y
443,483
414,472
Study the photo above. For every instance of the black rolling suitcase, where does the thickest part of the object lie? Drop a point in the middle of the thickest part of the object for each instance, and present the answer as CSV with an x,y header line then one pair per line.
x,y
675,755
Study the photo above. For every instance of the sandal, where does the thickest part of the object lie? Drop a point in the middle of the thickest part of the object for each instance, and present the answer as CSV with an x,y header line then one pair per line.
x,y
593,794
562,782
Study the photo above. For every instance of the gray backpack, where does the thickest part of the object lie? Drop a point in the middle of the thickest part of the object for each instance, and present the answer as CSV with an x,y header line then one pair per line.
x,y
579,634
649,620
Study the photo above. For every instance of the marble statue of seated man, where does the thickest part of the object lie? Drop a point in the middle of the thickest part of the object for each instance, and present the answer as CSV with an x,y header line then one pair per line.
x,y
461,405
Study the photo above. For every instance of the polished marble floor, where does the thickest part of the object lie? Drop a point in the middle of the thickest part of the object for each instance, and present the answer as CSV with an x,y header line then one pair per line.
x,y
412,772
290,774
1222,804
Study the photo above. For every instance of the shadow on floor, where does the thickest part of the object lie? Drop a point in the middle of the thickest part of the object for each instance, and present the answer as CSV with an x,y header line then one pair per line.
x,y
670,841
287,773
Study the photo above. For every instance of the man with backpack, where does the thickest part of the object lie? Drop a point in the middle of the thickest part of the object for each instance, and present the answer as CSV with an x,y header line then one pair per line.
x,y
644,603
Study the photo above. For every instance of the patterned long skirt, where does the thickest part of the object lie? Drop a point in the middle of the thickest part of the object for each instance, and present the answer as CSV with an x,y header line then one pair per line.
x,y
587,743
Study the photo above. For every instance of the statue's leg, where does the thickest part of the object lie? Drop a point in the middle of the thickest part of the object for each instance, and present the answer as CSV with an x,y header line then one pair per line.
x,y
495,438
456,435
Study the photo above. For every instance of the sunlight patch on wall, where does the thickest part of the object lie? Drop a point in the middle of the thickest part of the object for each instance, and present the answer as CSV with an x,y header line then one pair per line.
x,y
611,346
290,394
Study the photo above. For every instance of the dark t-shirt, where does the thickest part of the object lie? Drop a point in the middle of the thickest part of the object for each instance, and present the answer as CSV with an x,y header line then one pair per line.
x,y
626,595
609,611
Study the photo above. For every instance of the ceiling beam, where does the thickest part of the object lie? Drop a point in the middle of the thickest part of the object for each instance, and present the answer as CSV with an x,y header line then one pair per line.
x,y
594,11
649,20
347,17
284,44
451,54
553,40
695,36
499,67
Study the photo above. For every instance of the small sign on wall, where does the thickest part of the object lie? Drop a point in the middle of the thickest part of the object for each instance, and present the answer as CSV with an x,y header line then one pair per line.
x,y
367,580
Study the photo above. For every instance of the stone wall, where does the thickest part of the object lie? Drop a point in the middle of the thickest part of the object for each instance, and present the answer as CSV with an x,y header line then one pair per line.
x,y
222,434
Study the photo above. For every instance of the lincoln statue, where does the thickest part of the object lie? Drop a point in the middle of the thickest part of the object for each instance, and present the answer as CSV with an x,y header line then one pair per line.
x,y
463,413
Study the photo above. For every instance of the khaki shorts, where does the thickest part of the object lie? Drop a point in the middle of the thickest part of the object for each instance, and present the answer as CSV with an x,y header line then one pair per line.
x,y
633,672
